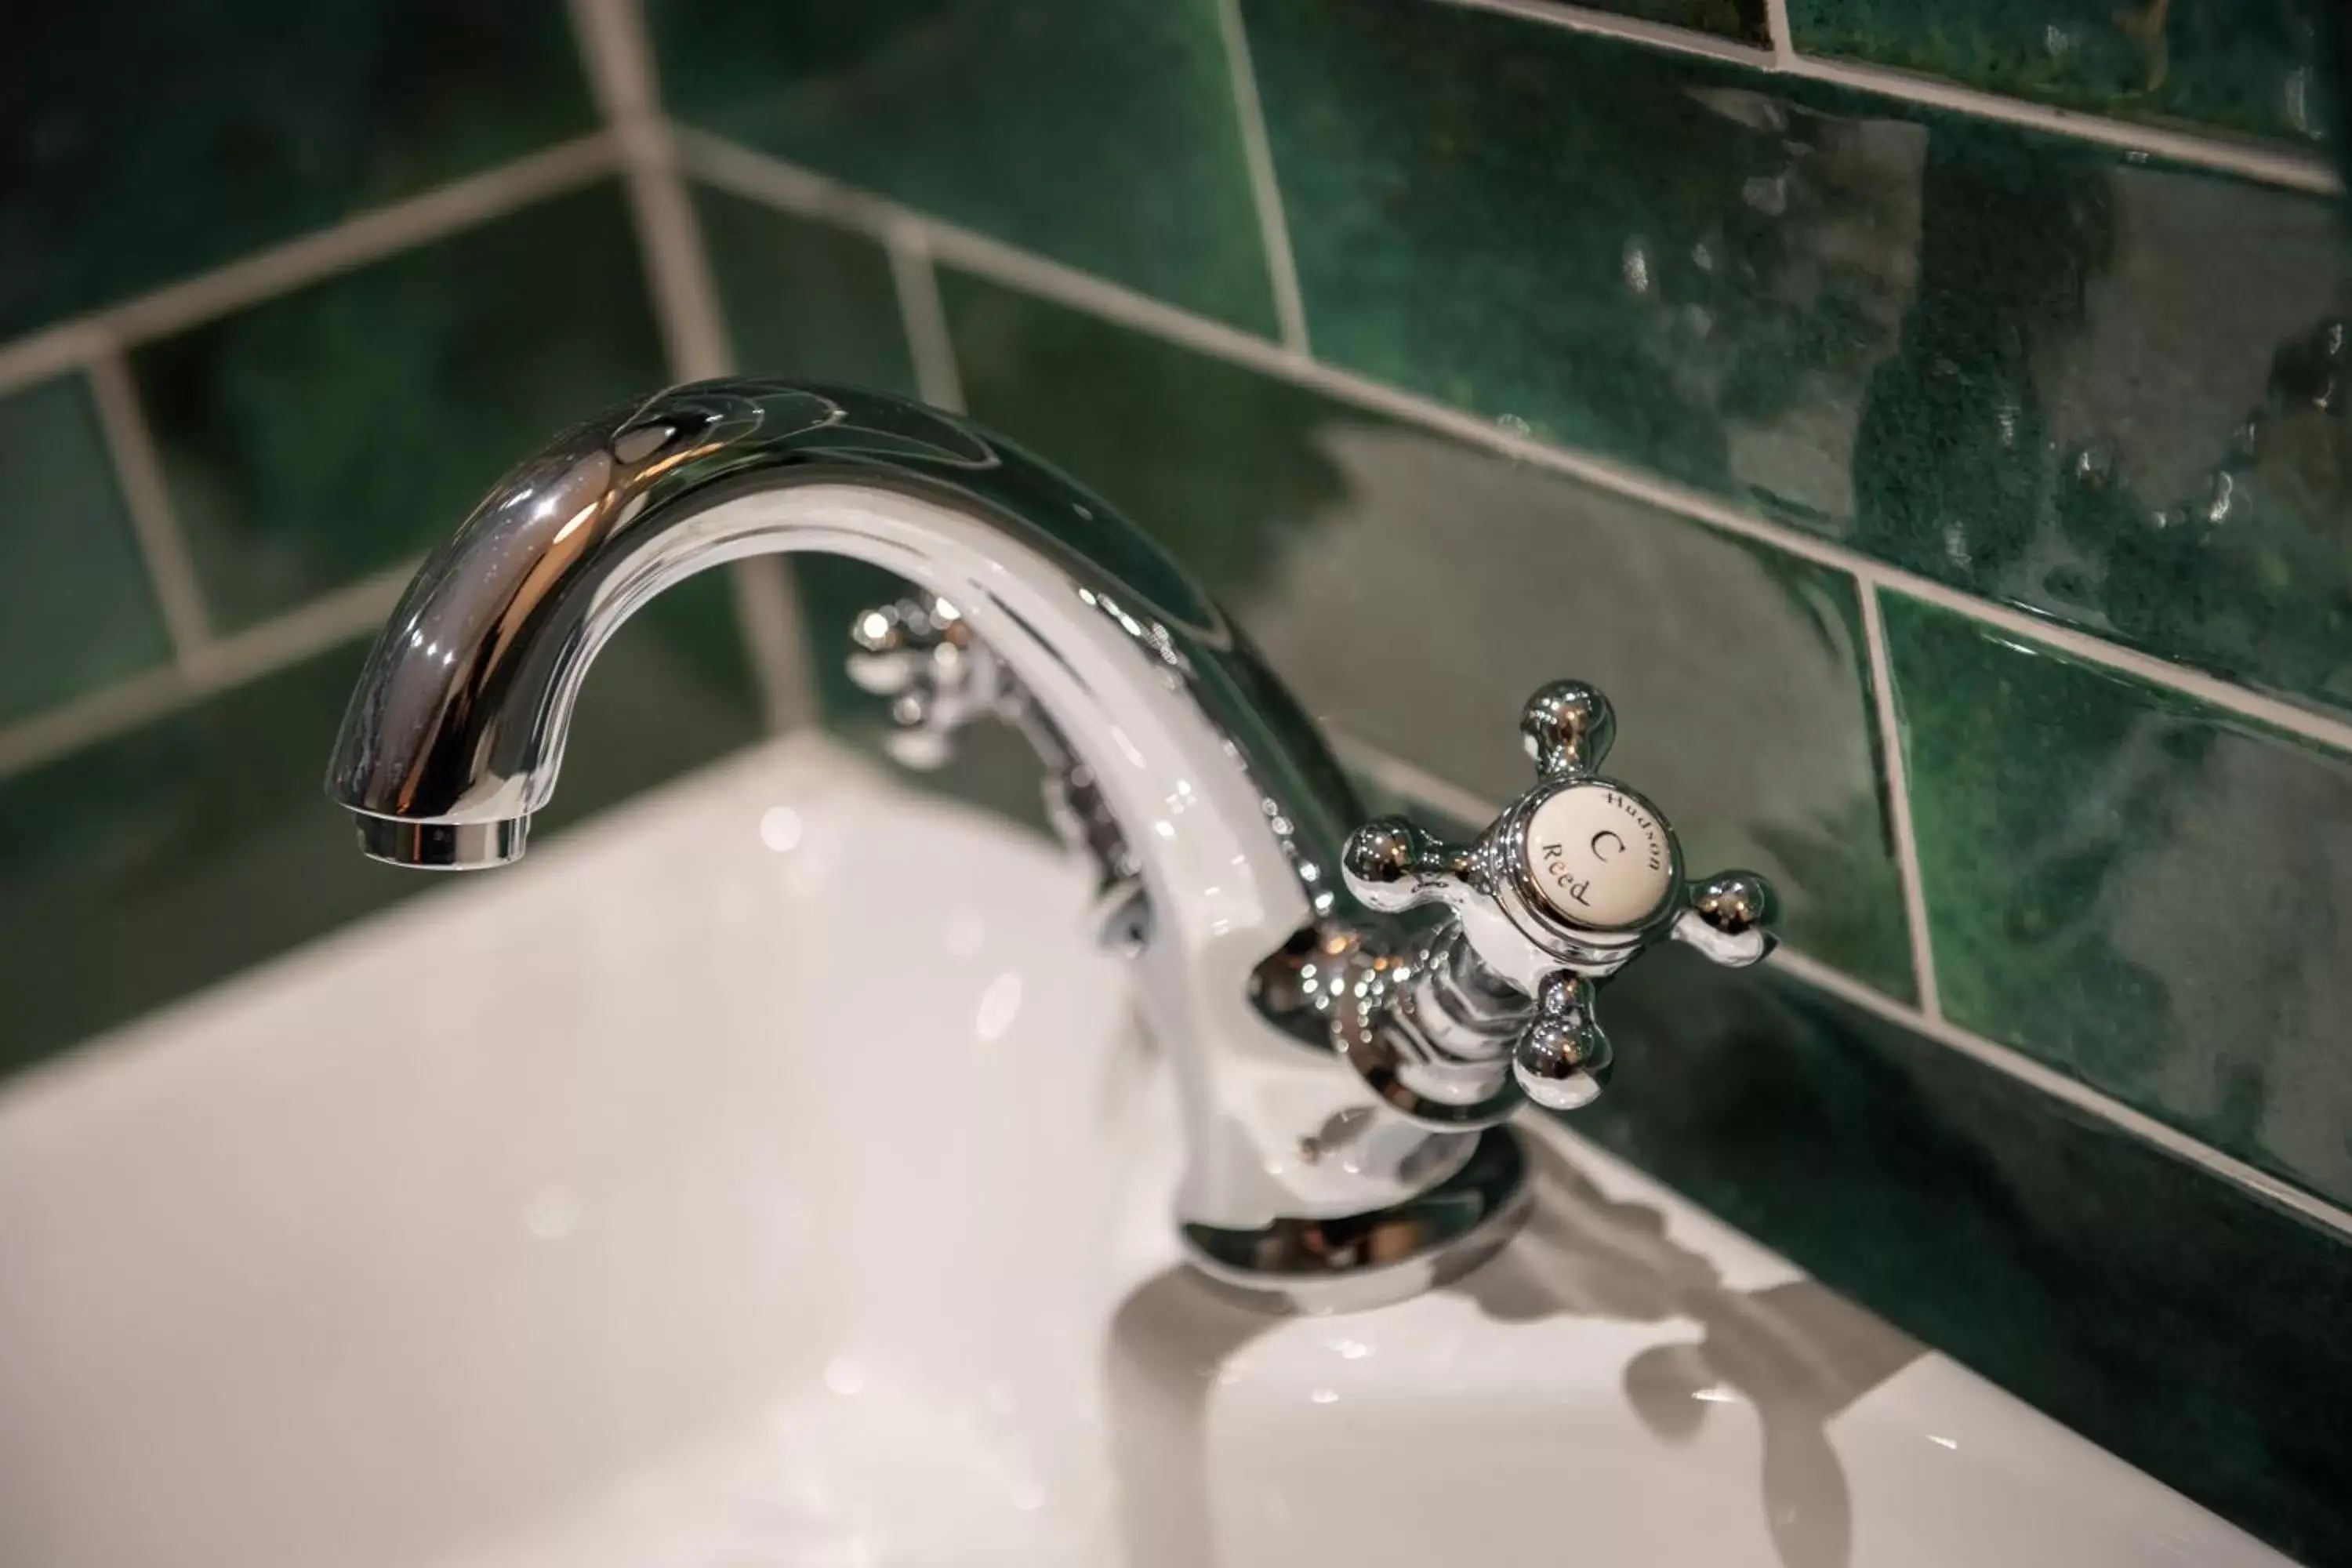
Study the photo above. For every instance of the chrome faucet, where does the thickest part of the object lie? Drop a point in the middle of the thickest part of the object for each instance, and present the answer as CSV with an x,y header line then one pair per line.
x,y
1344,1065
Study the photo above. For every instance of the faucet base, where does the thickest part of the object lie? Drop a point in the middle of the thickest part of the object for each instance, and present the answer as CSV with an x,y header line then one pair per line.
x,y
1363,1260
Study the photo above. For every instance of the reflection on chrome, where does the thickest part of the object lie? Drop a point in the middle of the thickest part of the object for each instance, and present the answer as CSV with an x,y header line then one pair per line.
x,y
1343,1072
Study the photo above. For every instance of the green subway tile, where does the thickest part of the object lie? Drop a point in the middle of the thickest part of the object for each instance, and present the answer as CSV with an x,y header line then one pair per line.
x,y
142,142
2261,68
2100,388
75,609
1611,245
1102,133
801,298
806,299
2164,1313
168,858
2146,893
1413,591
328,434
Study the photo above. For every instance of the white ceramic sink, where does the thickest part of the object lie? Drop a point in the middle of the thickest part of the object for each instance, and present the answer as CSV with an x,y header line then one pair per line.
x,y
771,1173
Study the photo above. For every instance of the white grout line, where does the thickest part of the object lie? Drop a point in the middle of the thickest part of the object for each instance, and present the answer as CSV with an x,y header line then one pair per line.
x,y
1895,766
2287,167
139,468
788,187
764,179
686,296
2271,165
923,317
348,612
2017,1064
618,58
1783,37
760,178
619,63
1410,780
1265,191
50,351
768,613
2088,648
620,66
369,236
258,651
92,717
1609,24
1393,773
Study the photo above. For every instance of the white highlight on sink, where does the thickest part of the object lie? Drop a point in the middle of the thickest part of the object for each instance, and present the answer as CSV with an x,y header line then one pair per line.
x,y
999,1005
551,1213
780,829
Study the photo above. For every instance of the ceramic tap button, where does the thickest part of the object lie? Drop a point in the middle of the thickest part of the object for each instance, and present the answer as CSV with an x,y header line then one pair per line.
x,y
1599,856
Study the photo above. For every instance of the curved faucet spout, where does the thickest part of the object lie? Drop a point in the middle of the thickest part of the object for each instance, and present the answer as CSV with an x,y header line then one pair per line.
x,y
455,733
1301,1181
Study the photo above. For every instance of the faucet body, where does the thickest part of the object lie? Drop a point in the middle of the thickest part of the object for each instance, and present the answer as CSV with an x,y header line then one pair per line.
x,y
1303,1185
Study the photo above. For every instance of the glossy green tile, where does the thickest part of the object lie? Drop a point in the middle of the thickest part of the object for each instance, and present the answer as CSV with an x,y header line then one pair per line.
x,y
1413,591
2165,1314
810,301
2246,68
142,142
2126,414
330,433
804,298
75,609
164,860
1102,133
1611,245
2099,388
2144,892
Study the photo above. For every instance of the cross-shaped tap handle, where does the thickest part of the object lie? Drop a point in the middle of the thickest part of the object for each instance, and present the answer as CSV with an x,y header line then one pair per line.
x,y
1565,887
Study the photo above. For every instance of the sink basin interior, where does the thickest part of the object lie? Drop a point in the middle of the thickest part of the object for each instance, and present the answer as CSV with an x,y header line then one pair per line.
x,y
774,1172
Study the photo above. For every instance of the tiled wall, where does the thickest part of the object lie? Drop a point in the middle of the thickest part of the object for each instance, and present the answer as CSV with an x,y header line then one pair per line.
x,y
1925,421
